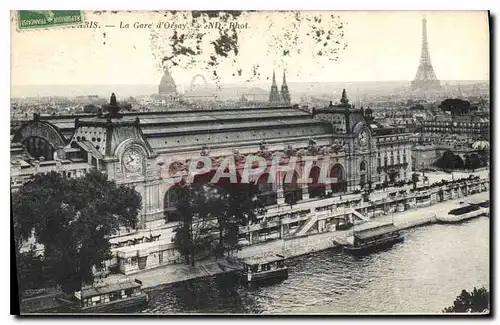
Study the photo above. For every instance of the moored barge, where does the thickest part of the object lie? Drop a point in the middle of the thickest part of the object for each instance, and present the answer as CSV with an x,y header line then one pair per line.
x,y
264,268
110,297
374,239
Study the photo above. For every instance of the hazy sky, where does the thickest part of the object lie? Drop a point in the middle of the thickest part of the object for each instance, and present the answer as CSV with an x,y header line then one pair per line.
x,y
380,46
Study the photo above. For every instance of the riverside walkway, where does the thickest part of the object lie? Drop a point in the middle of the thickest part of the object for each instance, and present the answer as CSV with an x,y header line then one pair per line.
x,y
293,247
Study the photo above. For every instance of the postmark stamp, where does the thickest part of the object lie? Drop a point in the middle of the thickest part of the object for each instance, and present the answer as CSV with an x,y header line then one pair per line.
x,y
32,19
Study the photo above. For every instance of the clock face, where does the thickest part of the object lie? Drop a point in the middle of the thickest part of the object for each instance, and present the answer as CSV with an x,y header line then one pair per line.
x,y
363,138
132,160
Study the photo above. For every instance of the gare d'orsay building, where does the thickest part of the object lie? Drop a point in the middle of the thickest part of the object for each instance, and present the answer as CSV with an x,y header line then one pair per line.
x,y
136,149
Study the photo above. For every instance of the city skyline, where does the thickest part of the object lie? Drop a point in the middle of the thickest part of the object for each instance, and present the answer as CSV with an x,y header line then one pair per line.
x,y
373,52
297,162
334,88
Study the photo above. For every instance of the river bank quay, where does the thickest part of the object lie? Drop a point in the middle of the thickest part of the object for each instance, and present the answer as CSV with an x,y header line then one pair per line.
x,y
295,246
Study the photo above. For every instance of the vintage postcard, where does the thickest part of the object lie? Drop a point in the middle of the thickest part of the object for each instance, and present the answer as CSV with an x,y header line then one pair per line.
x,y
251,162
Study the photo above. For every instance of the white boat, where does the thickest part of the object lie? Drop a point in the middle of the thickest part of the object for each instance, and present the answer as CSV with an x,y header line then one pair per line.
x,y
464,212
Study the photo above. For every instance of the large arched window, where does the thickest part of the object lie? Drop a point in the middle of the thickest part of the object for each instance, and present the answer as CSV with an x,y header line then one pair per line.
x,y
38,147
171,199
362,166
362,176
337,172
315,187
266,193
291,189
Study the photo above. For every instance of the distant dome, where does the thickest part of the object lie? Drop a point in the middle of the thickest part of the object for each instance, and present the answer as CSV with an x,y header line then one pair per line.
x,y
167,83
481,145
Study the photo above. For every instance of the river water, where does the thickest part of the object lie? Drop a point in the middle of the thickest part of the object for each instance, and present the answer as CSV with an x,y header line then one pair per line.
x,y
424,274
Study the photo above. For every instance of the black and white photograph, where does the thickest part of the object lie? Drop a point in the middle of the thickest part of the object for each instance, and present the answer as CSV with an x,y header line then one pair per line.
x,y
250,162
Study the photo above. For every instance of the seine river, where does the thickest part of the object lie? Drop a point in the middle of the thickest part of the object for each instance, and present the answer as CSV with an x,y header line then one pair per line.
x,y
424,274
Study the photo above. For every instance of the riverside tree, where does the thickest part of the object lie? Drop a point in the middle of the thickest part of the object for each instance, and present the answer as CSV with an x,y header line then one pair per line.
x,y
239,208
449,160
476,301
32,273
197,208
73,219
472,161
211,218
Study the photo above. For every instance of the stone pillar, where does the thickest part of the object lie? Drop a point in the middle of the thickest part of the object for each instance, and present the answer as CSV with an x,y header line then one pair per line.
x,y
37,147
305,193
17,165
155,195
61,154
58,164
278,185
321,225
37,166
281,197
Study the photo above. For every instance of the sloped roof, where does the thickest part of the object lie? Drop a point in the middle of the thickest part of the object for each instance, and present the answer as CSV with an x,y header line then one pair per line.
x,y
89,147
263,259
376,231
111,287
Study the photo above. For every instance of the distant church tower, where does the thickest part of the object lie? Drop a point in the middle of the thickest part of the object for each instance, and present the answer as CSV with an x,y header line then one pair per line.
x,y
274,96
285,94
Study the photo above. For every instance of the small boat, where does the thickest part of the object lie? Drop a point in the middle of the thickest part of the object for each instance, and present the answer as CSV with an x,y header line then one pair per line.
x,y
374,239
464,212
109,297
264,268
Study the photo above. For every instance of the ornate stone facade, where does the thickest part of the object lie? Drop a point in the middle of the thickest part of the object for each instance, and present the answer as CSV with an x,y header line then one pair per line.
x,y
144,150
163,143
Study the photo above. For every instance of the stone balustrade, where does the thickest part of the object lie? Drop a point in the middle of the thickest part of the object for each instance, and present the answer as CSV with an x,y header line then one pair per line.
x,y
321,210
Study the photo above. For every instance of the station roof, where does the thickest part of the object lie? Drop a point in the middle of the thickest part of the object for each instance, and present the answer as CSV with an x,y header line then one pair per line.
x,y
218,126
263,259
185,122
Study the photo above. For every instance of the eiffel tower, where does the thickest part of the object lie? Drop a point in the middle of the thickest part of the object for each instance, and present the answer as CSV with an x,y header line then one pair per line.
x,y
426,78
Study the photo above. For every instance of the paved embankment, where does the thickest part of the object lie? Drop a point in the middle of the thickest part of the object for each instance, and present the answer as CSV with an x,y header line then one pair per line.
x,y
296,246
